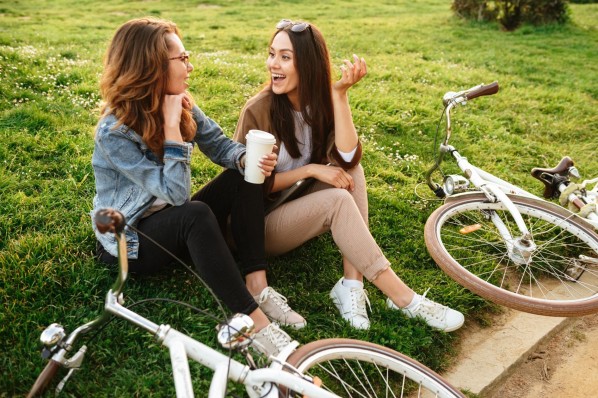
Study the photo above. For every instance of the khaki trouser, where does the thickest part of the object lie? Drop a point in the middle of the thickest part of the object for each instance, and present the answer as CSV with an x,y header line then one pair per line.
x,y
323,208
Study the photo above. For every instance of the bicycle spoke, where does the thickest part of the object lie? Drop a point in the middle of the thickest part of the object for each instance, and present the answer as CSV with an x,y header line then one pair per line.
x,y
551,269
356,381
538,228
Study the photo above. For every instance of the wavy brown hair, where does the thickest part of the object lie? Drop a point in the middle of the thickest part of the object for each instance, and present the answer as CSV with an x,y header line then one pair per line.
x,y
135,79
312,62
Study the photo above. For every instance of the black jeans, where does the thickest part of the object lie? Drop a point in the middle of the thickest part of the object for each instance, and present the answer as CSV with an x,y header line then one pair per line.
x,y
193,231
230,196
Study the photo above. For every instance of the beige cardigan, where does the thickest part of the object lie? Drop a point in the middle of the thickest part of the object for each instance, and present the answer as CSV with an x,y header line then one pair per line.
x,y
256,115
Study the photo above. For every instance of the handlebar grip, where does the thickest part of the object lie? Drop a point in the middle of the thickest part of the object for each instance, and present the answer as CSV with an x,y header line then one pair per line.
x,y
109,220
487,89
43,380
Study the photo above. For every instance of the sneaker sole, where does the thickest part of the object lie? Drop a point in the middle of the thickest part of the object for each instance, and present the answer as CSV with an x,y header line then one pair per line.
x,y
454,327
392,306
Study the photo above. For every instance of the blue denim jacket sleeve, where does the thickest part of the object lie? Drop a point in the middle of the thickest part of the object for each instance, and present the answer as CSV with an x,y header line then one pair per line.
x,y
215,145
125,152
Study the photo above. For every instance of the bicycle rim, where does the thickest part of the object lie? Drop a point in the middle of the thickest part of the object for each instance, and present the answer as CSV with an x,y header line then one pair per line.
x,y
354,368
560,278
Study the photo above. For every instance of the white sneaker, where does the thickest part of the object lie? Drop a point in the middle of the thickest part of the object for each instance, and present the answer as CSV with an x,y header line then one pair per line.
x,y
350,302
271,340
436,315
275,306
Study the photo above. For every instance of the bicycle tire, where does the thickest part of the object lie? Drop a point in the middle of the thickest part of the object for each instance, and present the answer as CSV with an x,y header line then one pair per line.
x,y
357,368
44,379
479,260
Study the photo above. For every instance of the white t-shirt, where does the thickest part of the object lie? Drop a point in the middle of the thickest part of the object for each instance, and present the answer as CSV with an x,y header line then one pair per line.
x,y
303,135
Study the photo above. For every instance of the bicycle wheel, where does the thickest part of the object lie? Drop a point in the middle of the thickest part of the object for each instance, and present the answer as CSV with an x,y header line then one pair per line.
x,y
558,278
354,368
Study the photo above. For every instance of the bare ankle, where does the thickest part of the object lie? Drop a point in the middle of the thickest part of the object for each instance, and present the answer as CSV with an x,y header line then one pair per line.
x,y
256,282
260,320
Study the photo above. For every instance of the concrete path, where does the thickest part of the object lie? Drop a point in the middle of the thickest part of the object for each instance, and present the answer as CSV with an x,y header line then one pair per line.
x,y
488,355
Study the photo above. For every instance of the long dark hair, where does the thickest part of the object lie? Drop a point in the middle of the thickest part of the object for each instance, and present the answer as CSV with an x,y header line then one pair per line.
x,y
312,62
135,78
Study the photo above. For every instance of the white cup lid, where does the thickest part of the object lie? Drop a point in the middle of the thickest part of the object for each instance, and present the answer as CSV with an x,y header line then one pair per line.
x,y
261,137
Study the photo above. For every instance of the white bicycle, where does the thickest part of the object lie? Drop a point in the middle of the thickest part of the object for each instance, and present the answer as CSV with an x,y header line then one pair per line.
x,y
326,368
506,244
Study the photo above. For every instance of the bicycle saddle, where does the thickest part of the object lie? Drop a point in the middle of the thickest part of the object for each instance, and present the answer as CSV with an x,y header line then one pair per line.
x,y
553,177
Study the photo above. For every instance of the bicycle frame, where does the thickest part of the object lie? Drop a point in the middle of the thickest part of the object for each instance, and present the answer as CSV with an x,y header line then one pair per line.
x,y
183,347
258,382
519,248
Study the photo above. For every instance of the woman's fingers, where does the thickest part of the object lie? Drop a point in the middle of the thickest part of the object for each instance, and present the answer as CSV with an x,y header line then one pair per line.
x,y
334,176
348,183
172,107
353,72
357,65
267,163
361,66
343,180
186,101
351,185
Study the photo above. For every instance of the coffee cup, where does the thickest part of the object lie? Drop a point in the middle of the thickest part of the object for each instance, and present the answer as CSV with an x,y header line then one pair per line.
x,y
259,143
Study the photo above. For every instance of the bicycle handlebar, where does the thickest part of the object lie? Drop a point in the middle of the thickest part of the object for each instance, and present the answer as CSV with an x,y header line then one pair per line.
x,y
450,99
482,90
469,94
107,220
110,220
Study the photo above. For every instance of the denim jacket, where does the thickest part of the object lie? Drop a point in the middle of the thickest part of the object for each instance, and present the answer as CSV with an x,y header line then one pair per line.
x,y
129,177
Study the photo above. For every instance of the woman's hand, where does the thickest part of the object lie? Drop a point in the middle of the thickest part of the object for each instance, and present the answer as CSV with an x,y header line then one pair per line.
x,y
268,162
332,175
172,108
351,74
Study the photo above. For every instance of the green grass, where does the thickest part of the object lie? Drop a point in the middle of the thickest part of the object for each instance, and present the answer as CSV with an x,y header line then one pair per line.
x,y
50,60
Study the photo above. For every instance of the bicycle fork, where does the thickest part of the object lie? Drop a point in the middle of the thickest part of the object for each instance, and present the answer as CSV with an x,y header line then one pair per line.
x,y
520,249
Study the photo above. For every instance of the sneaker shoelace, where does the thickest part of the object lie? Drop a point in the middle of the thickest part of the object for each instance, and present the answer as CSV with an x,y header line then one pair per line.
x,y
359,298
434,309
279,299
276,336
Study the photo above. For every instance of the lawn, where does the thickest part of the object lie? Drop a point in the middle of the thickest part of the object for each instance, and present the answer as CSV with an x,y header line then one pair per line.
x,y
50,62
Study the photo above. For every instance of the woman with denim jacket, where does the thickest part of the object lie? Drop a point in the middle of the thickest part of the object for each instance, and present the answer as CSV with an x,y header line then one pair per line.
x,y
141,162
311,119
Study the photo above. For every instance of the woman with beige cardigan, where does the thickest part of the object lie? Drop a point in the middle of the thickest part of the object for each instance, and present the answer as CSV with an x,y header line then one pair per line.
x,y
311,120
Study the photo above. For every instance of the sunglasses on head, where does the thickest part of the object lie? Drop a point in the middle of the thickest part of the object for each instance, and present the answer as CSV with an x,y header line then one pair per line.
x,y
296,27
